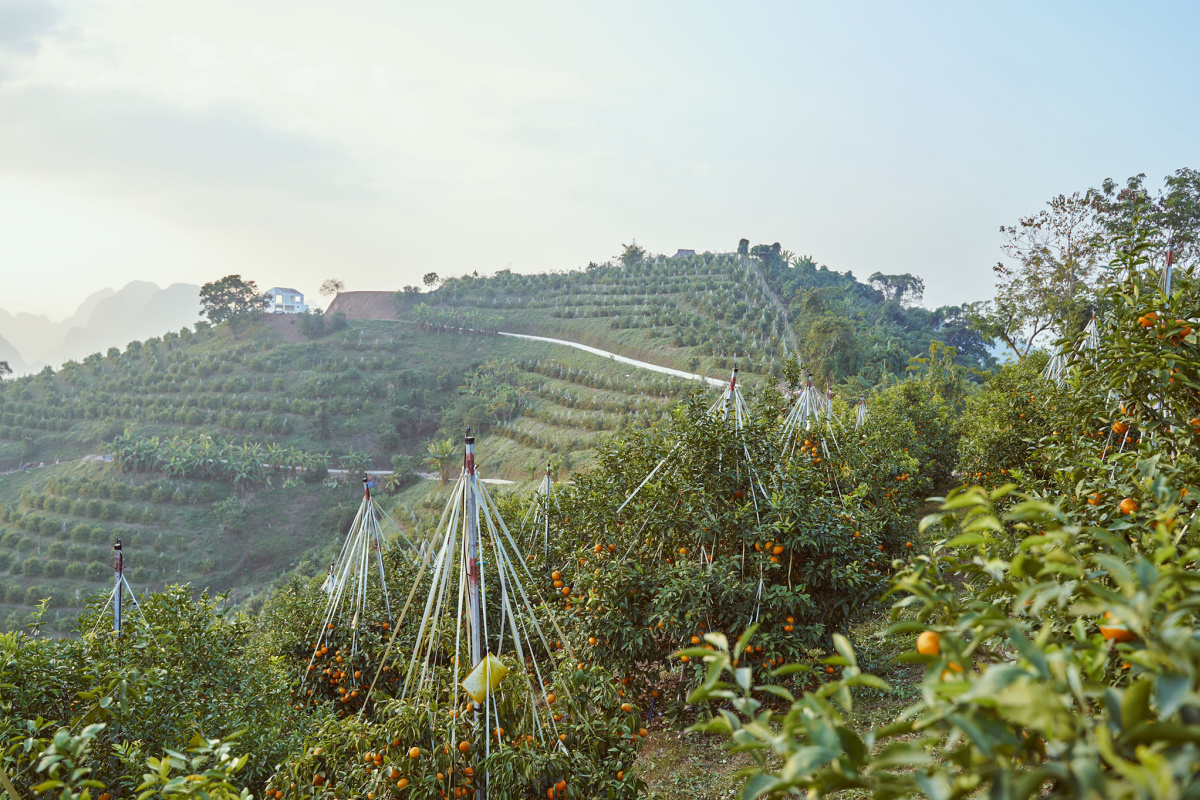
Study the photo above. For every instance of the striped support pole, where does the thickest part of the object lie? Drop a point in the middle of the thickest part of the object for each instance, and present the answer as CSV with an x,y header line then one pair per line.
x,y
546,521
475,607
1170,263
118,569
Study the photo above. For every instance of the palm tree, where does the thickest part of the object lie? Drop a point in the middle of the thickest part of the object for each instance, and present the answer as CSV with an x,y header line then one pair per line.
x,y
356,461
441,456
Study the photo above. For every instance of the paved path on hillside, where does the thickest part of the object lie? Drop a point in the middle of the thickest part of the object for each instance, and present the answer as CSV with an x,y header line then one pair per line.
x,y
678,373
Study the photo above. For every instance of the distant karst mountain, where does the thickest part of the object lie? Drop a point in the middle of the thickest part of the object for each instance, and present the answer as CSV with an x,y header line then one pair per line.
x,y
108,318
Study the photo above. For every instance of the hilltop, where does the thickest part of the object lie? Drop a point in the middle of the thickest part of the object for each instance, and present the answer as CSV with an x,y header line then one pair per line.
x,y
370,385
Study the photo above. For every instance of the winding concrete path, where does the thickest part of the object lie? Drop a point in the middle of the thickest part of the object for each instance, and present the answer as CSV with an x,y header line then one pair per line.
x,y
633,362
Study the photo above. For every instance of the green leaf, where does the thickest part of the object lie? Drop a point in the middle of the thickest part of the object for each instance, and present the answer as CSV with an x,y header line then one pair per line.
x,y
743,640
843,646
1170,692
901,754
1030,652
760,784
935,786
805,761
1135,706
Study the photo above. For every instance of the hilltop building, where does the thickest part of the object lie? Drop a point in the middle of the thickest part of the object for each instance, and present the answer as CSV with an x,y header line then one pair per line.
x,y
281,300
681,253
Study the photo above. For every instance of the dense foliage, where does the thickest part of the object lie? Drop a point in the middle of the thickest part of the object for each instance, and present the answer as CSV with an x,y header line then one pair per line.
x,y
1059,624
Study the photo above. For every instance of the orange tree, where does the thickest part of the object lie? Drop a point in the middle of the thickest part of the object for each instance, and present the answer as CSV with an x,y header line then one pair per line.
x,y
418,748
1137,395
1070,669
591,746
726,532
1005,421
1059,633
183,667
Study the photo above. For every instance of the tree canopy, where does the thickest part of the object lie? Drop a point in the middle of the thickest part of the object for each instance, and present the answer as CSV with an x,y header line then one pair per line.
x,y
231,300
1057,256
332,286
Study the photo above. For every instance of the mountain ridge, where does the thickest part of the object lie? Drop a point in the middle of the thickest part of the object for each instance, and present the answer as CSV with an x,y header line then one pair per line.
x,y
106,318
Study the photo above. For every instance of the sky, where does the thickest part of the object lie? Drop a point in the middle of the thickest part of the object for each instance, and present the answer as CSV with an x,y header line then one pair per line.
x,y
373,142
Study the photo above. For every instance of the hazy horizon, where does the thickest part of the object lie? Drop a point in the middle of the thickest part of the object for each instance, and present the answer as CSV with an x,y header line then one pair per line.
x,y
372,142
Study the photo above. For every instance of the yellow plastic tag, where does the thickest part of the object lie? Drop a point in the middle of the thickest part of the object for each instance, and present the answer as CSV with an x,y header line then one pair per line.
x,y
485,677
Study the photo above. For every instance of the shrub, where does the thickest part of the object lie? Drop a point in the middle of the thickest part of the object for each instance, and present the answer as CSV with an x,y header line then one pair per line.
x,y
36,594
231,513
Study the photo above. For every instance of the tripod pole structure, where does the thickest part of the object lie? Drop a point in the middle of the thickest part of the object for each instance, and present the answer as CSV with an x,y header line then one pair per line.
x,y
119,578
473,595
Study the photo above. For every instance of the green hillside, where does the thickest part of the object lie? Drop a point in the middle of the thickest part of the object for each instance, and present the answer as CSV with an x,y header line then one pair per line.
x,y
222,443
718,308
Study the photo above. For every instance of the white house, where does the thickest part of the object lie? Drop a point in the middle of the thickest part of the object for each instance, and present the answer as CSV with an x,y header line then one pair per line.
x,y
281,300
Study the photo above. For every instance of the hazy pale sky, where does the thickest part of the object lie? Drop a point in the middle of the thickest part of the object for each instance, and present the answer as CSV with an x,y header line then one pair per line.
x,y
375,141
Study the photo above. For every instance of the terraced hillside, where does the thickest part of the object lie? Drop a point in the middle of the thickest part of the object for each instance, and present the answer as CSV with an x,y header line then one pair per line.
x,y
715,309
221,447
711,311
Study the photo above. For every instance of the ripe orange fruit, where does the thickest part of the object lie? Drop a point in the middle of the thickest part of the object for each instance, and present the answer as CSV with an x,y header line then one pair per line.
x,y
591,640
413,752
1128,505
464,747
621,775
829,670
626,707
550,698
695,640
642,732
1117,632
928,643
400,784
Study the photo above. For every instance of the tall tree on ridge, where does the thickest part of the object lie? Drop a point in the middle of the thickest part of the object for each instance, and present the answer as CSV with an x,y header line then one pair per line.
x,y
231,300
